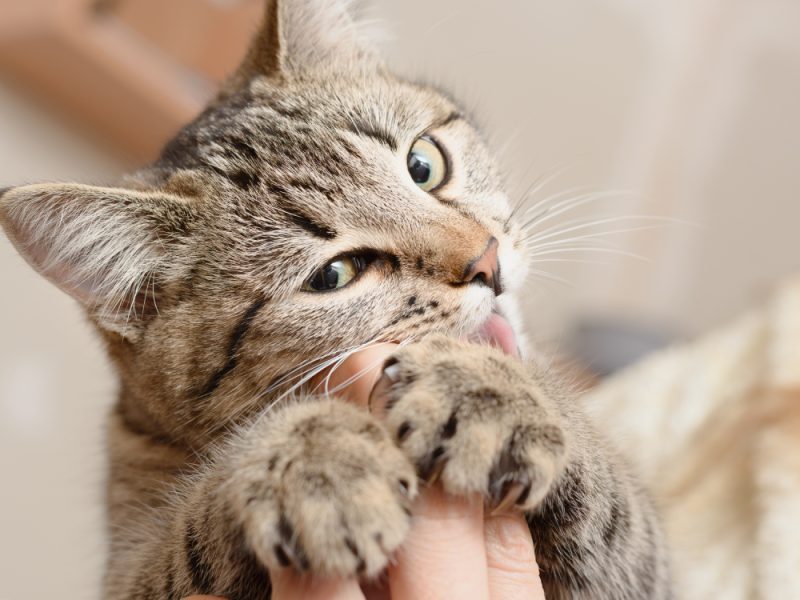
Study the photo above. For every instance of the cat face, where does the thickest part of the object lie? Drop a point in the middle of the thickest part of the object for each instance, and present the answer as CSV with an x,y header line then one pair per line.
x,y
318,205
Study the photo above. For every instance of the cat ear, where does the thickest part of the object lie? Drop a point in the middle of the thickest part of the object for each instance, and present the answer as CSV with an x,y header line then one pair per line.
x,y
306,35
109,248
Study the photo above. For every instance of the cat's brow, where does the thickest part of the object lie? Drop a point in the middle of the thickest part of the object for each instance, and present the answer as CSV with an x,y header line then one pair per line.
x,y
305,222
288,207
453,116
386,138
371,131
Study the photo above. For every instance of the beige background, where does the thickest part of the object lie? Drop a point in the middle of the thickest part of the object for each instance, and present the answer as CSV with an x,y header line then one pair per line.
x,y
693,103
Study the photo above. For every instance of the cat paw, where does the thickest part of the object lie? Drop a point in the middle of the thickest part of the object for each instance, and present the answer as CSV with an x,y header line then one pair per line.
x,y
325,491
474,419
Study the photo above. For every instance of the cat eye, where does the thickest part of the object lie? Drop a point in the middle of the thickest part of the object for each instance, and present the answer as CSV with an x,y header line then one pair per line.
x,y
336,274
427,164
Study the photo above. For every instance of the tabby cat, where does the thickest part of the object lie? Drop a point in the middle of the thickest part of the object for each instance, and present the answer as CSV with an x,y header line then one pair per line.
x,y
317,205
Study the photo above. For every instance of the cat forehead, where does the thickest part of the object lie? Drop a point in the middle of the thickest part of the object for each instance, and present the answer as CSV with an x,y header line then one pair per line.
x,y
310,149
266,120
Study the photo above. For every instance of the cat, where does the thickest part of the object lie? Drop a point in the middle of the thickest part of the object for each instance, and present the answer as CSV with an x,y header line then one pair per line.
x,y
317,205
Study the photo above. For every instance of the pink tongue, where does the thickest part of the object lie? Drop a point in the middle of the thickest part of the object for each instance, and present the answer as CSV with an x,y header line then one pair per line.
x,y
498,333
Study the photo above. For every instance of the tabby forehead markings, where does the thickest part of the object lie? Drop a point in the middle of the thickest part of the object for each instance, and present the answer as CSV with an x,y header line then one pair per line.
x,y
380,135
244,179
289,207
244,149
308,224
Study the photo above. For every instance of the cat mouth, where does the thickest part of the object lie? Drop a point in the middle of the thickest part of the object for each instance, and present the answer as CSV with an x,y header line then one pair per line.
x,y
497,332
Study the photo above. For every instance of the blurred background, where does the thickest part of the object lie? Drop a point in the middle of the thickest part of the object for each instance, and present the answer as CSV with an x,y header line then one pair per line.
x,y
691,105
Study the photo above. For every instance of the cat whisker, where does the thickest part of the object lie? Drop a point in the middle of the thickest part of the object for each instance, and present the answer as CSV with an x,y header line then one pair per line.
x,y
305,372
555,232
578,261
305,377
309,375
595,239
599,249
353,378
555,199
327,381
538,184
569,204
298,370
547,275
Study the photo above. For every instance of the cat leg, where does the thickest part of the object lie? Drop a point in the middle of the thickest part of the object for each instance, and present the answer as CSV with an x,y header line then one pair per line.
x,y
317,485
597,534
482,422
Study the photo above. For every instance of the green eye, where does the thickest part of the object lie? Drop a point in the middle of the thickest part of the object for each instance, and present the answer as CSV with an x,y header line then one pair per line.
x,y
426,164
336,274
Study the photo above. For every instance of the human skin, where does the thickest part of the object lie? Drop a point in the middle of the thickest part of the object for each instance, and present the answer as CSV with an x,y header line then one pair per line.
x,y
454,549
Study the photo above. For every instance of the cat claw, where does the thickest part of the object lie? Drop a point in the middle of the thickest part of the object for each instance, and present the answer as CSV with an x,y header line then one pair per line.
x,y
515,493
436,465
433,478
380,391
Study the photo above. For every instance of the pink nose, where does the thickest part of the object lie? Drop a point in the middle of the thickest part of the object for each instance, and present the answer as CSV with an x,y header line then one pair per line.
x,y
485,269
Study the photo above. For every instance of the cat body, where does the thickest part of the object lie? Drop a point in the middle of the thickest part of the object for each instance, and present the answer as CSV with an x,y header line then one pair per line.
x,y
318,205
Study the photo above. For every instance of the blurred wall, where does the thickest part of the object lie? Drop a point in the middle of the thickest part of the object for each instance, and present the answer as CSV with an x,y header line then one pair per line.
x,y
692,103
689,104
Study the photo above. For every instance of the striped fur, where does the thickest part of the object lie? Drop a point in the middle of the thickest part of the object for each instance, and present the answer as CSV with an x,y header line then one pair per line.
x,y
192,269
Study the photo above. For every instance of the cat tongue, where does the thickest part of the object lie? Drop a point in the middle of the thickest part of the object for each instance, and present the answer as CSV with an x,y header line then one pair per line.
x,y
497,332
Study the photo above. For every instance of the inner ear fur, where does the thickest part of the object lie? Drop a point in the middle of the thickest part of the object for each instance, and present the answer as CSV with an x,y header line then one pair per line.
x,y
110,248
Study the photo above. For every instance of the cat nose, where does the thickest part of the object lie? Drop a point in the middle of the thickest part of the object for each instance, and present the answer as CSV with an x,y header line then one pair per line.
x,y
485,269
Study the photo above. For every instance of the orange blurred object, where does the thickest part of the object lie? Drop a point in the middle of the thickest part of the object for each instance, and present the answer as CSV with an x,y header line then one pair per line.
x,y
131,72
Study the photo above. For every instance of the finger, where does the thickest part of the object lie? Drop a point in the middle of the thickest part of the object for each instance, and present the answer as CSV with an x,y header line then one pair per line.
x,y
510,558
355,377
444,554
288,585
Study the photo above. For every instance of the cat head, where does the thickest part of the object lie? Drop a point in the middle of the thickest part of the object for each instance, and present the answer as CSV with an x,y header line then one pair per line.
x,y
318,204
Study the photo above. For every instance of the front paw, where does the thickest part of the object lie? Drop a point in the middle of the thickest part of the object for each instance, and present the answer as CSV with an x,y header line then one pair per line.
x,y
473,418
325,491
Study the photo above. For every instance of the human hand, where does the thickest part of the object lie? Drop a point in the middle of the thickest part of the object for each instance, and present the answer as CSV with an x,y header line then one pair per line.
x,y
453,550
